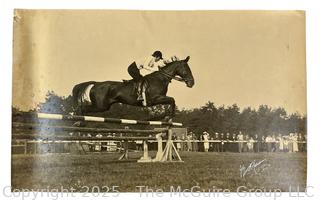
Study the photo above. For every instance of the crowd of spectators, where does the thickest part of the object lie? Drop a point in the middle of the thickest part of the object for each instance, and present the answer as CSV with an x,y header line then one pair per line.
x,y
220,142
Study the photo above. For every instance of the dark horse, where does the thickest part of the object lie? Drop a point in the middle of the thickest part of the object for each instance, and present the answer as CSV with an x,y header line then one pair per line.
x,y
104,94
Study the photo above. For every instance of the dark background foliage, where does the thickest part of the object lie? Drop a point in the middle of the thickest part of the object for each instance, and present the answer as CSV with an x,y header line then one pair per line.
x,y
209,117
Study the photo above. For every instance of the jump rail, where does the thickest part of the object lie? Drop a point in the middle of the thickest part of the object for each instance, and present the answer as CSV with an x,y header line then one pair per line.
x,y
33,126
166,155
105,120
77,138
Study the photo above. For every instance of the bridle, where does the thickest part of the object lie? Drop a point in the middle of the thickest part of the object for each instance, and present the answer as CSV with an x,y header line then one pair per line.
x,y
177,78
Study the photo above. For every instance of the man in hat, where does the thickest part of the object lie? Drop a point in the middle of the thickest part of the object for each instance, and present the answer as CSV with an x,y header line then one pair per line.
x,y
145,66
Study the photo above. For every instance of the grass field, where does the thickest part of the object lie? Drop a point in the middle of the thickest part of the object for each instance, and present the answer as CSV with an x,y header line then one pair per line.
x,y
206,170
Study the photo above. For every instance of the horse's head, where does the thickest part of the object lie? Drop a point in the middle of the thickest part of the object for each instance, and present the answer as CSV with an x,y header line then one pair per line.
x,y
183,70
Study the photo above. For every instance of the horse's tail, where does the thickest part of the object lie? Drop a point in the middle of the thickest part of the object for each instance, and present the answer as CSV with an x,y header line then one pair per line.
x,y
77,95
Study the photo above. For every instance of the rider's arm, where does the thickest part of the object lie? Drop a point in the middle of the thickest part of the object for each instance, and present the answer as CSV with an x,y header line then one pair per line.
x,y
166,61
149,63
162,63
149,69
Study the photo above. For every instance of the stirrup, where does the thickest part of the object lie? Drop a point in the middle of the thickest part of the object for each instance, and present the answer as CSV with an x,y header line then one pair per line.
x,y
140,98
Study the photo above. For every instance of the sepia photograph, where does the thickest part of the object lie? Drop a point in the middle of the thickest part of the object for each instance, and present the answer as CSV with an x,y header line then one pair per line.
x,y
145,100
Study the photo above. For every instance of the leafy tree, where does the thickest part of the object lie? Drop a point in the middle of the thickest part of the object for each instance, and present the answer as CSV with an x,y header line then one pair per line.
x,y
208,117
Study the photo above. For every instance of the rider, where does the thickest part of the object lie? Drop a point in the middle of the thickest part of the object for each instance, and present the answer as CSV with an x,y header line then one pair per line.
x,y
140,68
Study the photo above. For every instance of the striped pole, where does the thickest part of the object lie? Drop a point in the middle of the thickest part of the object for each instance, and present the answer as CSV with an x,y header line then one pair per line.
x,y
32,126
106,120
76,138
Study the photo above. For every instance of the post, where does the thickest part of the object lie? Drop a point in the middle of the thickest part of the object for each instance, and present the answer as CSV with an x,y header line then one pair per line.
x,y
170,142
145,157
160,151
170,153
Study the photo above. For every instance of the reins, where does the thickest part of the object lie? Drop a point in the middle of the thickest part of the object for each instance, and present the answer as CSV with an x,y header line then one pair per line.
x,y
177,78
172,77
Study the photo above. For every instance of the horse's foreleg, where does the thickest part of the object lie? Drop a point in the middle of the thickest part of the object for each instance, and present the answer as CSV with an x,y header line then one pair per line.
x,y
166,100
173,108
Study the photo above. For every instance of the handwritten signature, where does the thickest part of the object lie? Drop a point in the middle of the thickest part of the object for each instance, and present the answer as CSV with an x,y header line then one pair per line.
x,y
254,167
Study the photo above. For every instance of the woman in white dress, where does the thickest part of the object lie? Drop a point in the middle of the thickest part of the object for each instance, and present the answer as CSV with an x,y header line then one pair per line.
x,y
280,140
290,144
206,141
189,144
250,144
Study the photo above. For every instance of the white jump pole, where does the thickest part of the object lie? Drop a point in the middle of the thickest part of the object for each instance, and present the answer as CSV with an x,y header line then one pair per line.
x,y
170,150
160,151
145,158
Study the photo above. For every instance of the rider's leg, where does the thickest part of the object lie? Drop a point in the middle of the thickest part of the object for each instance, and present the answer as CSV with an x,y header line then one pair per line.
x,y
134,71
139,92
135,74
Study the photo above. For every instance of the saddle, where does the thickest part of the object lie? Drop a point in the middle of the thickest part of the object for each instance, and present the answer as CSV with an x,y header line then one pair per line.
x,y
139,89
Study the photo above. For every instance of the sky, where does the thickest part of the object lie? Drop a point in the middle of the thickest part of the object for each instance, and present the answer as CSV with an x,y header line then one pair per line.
x,y
244,57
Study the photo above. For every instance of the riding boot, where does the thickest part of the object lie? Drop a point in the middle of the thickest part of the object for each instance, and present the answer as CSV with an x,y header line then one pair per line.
x,y
140,98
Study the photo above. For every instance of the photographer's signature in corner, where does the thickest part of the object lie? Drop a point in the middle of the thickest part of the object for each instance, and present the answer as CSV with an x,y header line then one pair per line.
x,y
255,166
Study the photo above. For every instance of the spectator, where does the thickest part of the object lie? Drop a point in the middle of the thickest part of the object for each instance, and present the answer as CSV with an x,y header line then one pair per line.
x,y
211,148
273,143
226,142
245,143
269,143
295,143
189,143
222,138
263,143
178,143
195,143
250,144
301,142
183,142
200,143
285,143
257,143
240,139
234,145
205,141
216,145
290,142
280,142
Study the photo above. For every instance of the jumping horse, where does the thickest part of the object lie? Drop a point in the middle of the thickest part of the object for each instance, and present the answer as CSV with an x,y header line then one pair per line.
x,y
103,94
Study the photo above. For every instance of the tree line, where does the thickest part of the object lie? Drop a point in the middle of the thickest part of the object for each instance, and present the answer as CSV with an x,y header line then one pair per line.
x,y
209,117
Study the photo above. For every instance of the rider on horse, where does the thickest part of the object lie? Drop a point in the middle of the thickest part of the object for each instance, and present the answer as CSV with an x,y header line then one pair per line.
x,y
140,68
102,95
